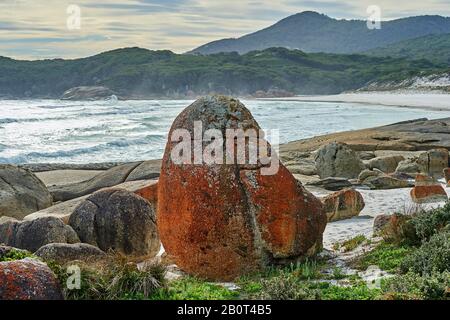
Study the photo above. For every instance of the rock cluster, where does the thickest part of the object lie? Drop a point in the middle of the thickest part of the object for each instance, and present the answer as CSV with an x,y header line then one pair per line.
x,y
32,235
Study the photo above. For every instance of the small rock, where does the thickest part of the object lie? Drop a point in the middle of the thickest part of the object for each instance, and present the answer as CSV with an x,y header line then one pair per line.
x,y
338,160
366,155
63,252
385,182
447,175
380,222
332,183
434,162
343,205
28,279
408,166
427,190
386,164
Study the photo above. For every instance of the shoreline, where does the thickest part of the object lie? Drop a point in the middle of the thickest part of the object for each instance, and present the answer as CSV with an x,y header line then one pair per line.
x,y
411,100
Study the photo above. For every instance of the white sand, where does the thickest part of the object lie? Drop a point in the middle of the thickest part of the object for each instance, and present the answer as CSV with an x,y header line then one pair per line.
x,y
435,101
377,202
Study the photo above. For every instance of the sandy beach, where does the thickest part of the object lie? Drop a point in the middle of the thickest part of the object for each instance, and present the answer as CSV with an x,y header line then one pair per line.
x,y
431,101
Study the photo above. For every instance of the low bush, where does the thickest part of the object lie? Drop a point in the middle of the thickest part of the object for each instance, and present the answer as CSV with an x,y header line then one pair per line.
x,y
113,279
428,223
412,286
386,256
191,288
433,256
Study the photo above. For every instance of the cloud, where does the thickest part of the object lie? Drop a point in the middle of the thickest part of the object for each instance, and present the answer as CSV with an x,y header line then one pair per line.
x,y
35,29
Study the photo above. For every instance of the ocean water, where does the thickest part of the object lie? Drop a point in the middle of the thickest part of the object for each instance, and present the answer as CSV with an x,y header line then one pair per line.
x,y
53,131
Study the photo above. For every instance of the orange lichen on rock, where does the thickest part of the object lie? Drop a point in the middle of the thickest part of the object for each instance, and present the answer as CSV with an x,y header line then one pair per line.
x,y
28,280
426,194
220,221
343,204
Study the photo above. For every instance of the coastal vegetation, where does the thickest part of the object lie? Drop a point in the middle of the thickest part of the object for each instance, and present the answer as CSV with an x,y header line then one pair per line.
x,y
140,73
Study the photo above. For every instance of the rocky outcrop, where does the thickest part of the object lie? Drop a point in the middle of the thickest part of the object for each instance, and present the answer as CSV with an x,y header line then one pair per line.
x,y
119,220
338,160
343,205
88,93
427,190
387,164
146,189
63,253
32,235
21,192
306,167
231,219
332,184
124,173
28,279
433,162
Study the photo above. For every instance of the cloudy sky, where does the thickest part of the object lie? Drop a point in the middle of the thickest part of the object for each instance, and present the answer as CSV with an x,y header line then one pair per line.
x,y
35,29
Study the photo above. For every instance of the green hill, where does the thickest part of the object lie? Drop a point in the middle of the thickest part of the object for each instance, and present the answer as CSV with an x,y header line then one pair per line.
x,y
435,48
140,73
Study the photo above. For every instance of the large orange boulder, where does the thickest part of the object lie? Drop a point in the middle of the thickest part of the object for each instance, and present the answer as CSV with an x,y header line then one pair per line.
x,y
221,220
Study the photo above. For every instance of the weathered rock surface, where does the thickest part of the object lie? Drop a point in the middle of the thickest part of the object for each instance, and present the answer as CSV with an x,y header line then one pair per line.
x,y
385,182
343,205
446,173
119,220
63,252
365,174
21,192
229,220
146,189
124,173
387,164
414,135
380,222
31,235
408,166
332,184
338,160
87,93
28,279
110,178
427,190
433,162
306,167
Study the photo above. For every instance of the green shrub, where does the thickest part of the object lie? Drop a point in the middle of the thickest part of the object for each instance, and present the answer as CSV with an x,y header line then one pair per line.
x,y
386,256
412,286
113,279
286,287
428,223
432,256
15,254
191,288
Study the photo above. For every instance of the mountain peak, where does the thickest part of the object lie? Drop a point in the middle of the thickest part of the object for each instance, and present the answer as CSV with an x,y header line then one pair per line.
x,y
311,31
